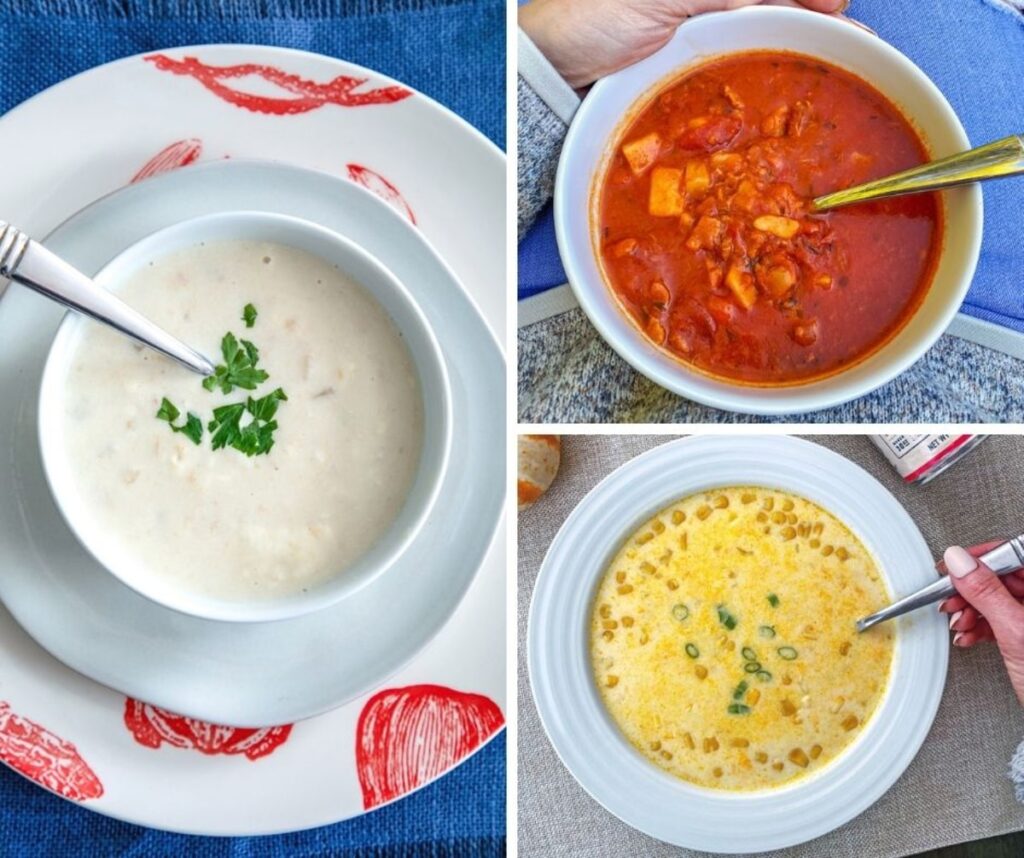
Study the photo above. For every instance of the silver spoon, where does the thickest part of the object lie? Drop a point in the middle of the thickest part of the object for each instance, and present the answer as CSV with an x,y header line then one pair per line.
x,y
993,161
1003,559
29,263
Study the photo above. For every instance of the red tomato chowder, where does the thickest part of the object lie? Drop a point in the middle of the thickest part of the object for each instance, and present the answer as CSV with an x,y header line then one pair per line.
x,y
705,231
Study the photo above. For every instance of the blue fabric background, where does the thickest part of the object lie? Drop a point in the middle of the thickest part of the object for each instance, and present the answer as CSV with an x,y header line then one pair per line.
x,y
454,52
975,54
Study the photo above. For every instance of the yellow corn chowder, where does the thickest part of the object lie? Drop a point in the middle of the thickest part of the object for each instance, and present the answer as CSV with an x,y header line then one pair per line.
x,y
723,640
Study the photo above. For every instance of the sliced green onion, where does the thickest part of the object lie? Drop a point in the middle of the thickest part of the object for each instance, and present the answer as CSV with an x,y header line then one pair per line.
x,y
767,631
739,709
741,689
763,675
680,612
773,600
788,653
726,618
692,651
752,666
749,654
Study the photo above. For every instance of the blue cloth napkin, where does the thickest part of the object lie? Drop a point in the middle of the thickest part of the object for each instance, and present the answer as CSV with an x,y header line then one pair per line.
x,y
974,52
454,52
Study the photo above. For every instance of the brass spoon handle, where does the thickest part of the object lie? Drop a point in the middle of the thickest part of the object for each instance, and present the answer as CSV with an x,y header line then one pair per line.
x,y
994,160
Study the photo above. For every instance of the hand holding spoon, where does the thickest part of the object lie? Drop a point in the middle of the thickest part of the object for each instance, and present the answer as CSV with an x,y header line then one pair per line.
x,y
993,161
29,263
1003,559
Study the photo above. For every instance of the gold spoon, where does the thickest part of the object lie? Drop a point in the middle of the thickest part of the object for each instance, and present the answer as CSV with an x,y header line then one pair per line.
x,y
993,161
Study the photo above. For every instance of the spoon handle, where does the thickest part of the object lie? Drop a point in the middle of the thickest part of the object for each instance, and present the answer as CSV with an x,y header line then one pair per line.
x,y
29,263
1003,559
994,160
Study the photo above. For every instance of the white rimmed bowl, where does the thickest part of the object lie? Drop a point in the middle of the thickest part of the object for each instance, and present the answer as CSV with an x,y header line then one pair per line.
x,y
595,128
116,556
588,741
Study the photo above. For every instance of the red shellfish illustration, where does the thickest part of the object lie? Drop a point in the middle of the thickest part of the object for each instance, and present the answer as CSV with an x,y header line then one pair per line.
x,y
299,95
375,182
408,736
45,758
152,726
181,153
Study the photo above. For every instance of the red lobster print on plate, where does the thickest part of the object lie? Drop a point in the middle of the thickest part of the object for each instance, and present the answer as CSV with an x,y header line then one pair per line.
x,y
50,761
408,736
152,726
179,154
375,182
302,95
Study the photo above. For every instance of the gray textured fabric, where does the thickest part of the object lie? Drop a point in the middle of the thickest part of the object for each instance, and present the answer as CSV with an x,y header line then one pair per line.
x,y
539,137
568,374
956,789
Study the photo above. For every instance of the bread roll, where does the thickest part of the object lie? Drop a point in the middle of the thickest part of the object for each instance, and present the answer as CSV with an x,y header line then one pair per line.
x,y
539,457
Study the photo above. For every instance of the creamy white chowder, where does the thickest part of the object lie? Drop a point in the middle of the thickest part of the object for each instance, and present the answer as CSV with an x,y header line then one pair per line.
x,y
217,522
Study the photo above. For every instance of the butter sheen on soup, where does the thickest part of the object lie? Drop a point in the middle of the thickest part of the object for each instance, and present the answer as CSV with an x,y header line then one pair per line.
x,y
723,641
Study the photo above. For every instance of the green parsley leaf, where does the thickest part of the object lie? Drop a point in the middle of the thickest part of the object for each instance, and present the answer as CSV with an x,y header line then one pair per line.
x,y
239,367
224,426
249,315
266,407
251,352
192,428
256,437
167,411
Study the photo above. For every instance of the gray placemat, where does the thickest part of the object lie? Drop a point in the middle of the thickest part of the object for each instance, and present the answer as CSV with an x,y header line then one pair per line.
x,y
956,789
568,374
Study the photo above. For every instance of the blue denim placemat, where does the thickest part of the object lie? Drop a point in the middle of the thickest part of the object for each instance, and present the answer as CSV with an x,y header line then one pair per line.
x,y
974,52
454,52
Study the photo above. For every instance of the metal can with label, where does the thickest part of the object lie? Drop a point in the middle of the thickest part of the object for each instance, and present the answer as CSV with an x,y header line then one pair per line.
x,y
920,458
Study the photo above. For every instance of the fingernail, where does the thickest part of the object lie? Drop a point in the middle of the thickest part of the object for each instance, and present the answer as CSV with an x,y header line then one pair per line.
x,y
943,605
959,563
956,638
953,619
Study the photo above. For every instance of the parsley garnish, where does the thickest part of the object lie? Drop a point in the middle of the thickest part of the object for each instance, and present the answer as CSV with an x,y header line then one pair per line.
x,y
192,428
257,436
239,367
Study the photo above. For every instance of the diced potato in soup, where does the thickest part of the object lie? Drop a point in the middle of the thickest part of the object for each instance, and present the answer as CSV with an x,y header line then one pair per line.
x,y
723,639
217,522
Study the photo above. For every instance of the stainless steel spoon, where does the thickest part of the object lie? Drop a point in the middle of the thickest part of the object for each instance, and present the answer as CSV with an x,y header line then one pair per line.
x,y
1003,559
993,161
29,263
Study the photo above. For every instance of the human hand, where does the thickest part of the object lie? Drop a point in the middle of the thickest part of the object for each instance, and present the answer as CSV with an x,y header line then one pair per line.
x,y
588,39
987,608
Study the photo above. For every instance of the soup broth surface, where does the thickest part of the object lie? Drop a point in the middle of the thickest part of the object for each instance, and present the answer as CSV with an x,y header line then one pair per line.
x,y
723,640
217,522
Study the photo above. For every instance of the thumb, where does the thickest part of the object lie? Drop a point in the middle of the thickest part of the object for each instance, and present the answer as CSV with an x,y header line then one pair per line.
x,y
981,587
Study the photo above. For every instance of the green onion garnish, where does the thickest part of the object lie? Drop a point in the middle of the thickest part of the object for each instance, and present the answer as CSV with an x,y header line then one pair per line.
x,y
763,675
752,666
749,654
739,709
692,651
767,631
680,612
773,600
787,652
741,689
726,618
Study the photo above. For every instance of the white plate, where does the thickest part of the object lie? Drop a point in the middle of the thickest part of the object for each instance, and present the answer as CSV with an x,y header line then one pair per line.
x,y
589,743
764,28
194,777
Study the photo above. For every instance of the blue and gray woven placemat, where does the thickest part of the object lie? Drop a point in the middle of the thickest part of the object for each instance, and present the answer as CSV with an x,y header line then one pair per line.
x,y
451,50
